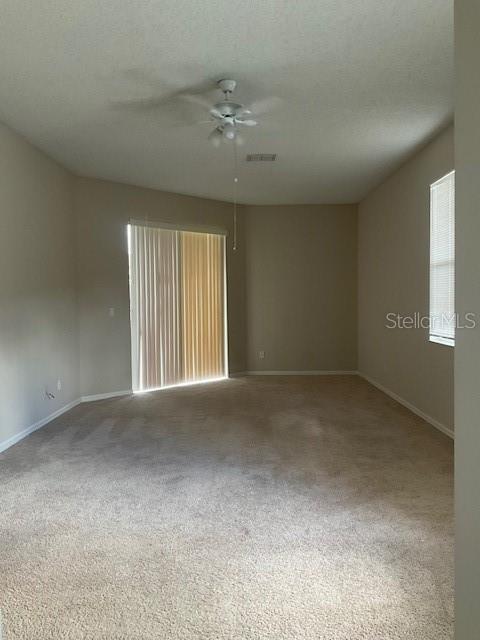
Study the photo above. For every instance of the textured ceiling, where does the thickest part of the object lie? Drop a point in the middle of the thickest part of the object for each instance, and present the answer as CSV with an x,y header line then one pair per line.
x,y
361,84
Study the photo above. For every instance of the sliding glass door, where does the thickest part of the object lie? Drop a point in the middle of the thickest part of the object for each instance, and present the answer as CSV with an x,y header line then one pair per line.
x,y
177,306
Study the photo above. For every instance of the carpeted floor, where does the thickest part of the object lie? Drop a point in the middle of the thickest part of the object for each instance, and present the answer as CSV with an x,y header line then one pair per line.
x,y
312,508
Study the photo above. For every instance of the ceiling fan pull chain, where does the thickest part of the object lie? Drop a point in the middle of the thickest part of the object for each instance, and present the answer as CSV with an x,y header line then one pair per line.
x,y
235,183
235,226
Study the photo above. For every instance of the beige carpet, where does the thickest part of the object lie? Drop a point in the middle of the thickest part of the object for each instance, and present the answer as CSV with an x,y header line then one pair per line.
x,y
260,508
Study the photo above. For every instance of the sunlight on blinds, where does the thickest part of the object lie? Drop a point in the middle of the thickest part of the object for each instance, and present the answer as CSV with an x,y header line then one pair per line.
x,y
202,306
442,259
177,282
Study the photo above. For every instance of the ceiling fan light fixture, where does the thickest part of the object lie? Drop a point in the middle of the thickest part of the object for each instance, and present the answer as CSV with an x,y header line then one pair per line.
x,y
229,131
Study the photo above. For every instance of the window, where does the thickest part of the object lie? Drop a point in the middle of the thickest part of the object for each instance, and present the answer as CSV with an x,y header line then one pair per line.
x,y
442,260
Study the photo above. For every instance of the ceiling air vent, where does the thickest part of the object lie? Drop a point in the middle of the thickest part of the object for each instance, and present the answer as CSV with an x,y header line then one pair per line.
x,y
261,157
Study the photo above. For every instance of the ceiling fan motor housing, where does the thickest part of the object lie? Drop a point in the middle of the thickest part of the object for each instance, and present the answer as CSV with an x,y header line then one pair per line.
x,y
228,109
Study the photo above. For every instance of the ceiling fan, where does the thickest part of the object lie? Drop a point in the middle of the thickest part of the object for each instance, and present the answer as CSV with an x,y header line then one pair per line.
x,y
229,115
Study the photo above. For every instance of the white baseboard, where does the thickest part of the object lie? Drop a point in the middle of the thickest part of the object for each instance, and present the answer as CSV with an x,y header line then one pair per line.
x,y
105,396
9,442
421,414
320,372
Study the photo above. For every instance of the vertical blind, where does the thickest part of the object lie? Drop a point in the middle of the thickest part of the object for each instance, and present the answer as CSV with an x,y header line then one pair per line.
x,y
442,259
177,306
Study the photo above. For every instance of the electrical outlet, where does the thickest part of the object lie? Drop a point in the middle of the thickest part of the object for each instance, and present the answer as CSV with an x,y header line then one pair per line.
x,y
261,355
59,385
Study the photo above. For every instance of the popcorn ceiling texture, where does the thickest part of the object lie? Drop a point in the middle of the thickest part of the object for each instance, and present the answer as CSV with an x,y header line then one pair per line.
x,y
256,508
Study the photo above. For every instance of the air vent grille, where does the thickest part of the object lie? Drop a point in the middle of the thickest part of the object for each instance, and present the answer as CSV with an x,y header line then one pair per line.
x,y
261,157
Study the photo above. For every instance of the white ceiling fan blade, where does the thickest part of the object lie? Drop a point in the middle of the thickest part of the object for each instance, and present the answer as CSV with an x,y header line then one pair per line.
x,y
265,105
216,113
242,113
247,123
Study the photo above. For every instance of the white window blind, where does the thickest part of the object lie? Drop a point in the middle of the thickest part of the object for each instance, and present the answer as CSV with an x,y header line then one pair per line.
x,y
442,260
177,306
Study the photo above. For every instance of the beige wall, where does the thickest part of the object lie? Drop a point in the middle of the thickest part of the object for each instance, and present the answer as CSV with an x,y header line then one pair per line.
x,y
467,350
38,337
103,211
301,280
394,229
